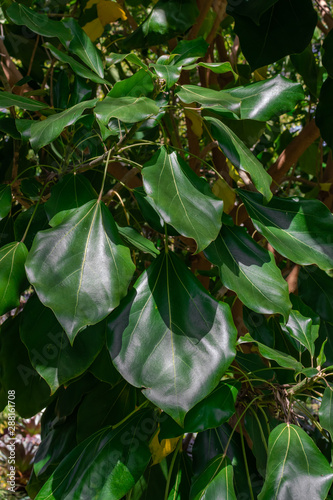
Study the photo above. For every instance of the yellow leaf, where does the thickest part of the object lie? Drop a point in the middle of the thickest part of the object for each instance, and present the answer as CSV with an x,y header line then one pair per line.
x,y
94,29
196,122
222,190
91,3
326,186
233,172
108,12
160,450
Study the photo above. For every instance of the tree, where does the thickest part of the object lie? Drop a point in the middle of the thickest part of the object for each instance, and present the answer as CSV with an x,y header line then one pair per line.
x,y
166,246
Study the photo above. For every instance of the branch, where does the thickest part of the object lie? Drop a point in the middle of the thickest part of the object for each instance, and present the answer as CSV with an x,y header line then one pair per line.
x,y
293,152
199,22
325,13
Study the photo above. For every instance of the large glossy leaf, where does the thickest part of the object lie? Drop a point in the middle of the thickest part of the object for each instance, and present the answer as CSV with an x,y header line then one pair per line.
x,y
7,100
279,357
12,275
302,325
326,411
38,23
78,68
209,97
250,271
171,338
32,393
72,191
211,412
127,109
279,31
295,467
80,268
105,465
240,156
82,46
182,199
5,200
301,230
45,131
216,481
50,352
266,99
315,288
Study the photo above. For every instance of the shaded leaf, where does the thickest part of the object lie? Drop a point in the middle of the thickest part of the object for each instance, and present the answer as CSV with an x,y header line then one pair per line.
x,y
301,230
315,288
182,199
77,67
45,131
32,393
250,271
5,200
253,9
127,109
133,238
211,412
326,411
188,51
7,100
324,111
80,268
275,33
103,368
38,223
279,357
50,352
12,275
216,481
240,156
38,23
295,467
72,191
105,465
192,337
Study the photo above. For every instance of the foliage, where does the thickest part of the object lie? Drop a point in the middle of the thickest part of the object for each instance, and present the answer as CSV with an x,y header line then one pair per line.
x,y
166,246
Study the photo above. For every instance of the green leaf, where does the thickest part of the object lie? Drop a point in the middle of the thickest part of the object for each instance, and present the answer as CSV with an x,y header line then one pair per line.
x,y
7,100
77,67
302,325
50,352
38,223
326,411
282,359
45,131
306,65
104,406
327,53
240,156
150,212
209,97
182,199
72,191
192,337
167,19
216,481
139,85
5,200
218,68
324,111
133,238
315,288
266,99
105,465
12,275
103,368
38,23
80,269
211,412
188,51
32,393
277,32
82,46
300,230
295,467
250,271
127,109
168,73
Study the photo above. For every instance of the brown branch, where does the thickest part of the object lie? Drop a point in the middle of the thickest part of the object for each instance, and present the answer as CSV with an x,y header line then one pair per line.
x,y
325,13
204,9
220,8
12,74
293,152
